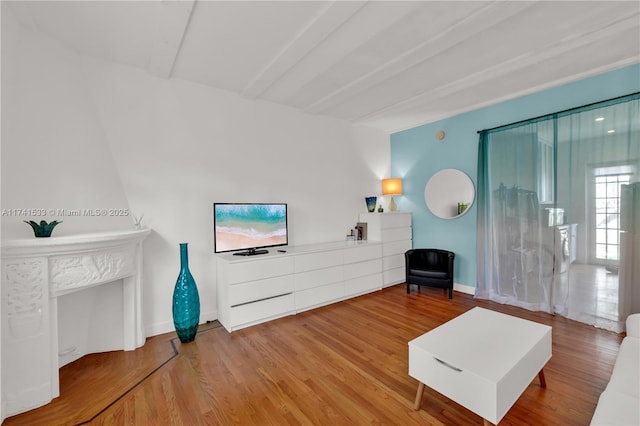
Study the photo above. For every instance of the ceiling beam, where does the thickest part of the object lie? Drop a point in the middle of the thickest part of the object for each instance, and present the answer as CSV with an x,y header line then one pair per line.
x,y
361,29
330,18
478,20
527,60
172,25
22,11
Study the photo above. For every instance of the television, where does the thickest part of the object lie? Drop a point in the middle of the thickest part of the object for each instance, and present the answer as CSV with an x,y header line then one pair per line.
x,y
251,227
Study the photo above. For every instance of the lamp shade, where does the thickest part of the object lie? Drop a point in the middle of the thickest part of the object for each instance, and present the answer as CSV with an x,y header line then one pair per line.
x,y
392,186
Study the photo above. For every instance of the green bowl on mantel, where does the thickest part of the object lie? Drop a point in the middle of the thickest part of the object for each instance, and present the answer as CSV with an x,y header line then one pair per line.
x,y
42,229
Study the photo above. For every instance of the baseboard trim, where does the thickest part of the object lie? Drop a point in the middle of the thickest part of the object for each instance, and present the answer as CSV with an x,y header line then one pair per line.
x,y
168,327
463,288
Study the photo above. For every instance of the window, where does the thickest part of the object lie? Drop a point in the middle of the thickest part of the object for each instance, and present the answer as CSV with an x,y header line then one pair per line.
x,y
607,181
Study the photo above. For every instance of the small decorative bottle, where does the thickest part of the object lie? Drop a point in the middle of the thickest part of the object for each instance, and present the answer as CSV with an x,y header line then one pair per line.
x,y
186,301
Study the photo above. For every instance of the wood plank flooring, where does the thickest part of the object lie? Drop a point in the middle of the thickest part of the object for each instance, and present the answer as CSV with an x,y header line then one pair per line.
x,y
342,364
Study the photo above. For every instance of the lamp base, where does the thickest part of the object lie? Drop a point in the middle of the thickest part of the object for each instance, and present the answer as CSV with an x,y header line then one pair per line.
x,y
392,205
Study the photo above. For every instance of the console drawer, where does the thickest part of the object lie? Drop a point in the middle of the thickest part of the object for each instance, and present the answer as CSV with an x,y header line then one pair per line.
x,y
395,220
393,261
258,269
314,297
361,285
394,276
313,261
362,268
262,311
396,234
311,279
396,247
362,253
261,289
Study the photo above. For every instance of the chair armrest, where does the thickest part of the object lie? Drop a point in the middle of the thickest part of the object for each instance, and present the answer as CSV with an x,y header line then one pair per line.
x,y
633,325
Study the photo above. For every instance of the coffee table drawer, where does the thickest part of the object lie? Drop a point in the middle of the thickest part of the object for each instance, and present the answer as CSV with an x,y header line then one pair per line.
x,y
466,388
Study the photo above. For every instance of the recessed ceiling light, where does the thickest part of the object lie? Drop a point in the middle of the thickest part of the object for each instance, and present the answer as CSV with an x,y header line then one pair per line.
x,y
611,131
600,119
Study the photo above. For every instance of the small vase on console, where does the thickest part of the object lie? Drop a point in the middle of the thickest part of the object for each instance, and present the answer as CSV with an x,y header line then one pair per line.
x,y
186,301
371,203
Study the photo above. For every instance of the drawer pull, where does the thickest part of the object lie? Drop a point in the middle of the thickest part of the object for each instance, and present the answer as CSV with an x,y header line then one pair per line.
x,y
447,365
260,300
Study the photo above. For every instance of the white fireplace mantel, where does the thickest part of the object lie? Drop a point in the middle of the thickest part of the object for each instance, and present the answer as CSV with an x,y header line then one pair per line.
x,y
35,273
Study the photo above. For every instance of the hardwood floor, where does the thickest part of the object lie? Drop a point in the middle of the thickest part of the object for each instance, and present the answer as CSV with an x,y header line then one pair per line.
x,y
341,364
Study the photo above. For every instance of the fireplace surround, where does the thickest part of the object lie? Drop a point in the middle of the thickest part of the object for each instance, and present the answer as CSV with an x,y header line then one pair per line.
x,y
36,274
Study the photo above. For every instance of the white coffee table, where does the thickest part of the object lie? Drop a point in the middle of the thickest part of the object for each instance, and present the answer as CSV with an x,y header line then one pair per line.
x,y
482,359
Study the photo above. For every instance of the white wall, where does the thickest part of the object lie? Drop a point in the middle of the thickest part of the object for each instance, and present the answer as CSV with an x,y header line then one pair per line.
x,y
54,153
177,148
180,147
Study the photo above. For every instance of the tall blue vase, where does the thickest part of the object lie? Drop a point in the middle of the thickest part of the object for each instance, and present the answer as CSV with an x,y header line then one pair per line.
x,y
186,301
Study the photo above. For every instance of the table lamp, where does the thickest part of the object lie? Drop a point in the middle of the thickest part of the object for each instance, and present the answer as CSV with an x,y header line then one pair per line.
x,y
392,187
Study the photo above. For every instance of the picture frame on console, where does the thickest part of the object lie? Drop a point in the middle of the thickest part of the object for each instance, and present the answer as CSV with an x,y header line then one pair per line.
x,y
362,230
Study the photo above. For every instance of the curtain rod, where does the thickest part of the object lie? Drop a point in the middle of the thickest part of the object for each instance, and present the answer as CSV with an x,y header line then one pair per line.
x,y
558,112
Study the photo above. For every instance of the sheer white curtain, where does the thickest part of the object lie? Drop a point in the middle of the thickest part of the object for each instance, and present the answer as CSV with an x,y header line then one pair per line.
x,y
550,216
515,248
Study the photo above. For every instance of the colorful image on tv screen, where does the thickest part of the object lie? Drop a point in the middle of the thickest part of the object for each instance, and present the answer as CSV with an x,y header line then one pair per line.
x,y
244,226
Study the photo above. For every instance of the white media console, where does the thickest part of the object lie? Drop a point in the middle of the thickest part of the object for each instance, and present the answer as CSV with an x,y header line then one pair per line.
x,y
256,289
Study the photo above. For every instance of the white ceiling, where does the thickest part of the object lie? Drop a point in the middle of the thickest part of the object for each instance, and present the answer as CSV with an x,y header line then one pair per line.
x,y
387,64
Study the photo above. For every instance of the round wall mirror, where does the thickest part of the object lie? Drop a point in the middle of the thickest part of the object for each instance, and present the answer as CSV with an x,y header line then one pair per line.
x,y
449,193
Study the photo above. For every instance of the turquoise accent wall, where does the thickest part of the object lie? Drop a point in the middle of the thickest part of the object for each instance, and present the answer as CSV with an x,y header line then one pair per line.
x,y
416,155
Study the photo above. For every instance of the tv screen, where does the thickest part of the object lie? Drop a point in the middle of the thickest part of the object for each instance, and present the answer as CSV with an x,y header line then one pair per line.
x,y
249,226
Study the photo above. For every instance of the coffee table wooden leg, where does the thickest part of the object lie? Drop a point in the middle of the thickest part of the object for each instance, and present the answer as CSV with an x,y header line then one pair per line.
x,y
543,382
416,404
487,422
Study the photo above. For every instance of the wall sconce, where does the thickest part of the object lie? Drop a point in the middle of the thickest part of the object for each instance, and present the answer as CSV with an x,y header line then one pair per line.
x,y
392,187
